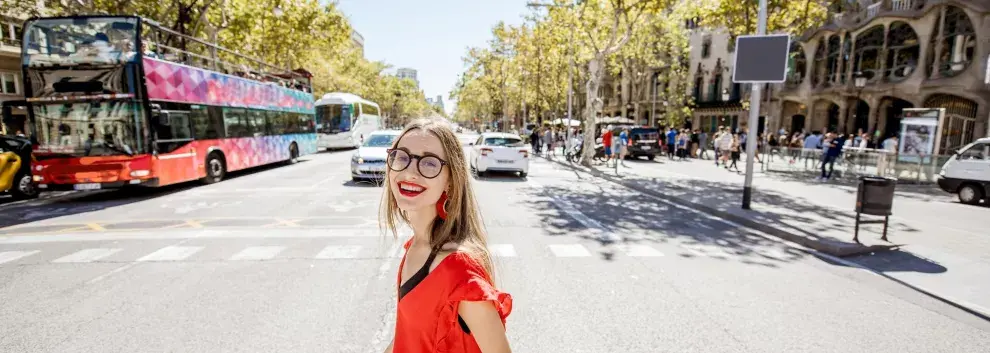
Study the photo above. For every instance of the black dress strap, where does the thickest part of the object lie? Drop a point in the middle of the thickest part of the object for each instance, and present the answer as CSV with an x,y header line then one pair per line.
x,y
417,277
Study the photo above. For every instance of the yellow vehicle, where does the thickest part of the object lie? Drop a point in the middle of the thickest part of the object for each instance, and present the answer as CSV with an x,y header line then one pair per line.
x,y
15,167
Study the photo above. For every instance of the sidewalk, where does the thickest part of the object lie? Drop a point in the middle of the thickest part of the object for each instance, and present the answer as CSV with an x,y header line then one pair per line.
x,y
945,245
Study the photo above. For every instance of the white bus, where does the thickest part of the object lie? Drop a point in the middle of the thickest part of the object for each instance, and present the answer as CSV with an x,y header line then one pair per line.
x,y
343,120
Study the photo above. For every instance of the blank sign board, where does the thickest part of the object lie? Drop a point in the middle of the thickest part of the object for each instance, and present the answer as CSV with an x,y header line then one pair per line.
x,y
761,59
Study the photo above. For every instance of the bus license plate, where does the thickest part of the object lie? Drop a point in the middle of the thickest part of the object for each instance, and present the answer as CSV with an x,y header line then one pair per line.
x,y
92,186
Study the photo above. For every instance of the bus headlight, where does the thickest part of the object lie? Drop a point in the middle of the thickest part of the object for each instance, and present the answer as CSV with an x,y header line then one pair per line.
x,y
139,173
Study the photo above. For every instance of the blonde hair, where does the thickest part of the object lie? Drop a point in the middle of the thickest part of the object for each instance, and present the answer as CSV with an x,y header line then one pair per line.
x,y
464,224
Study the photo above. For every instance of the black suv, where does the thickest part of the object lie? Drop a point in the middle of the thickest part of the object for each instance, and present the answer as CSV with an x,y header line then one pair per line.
x,y
645,142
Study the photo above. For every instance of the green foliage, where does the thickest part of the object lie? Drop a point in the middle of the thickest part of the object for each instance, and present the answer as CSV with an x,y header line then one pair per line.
x,y
783,16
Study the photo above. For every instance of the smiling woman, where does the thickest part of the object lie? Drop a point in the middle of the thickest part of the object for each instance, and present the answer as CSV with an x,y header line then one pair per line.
x,y
455,307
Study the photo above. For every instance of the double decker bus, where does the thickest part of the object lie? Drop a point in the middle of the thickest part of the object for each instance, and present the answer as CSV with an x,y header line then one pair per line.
x,y
114,101
343,120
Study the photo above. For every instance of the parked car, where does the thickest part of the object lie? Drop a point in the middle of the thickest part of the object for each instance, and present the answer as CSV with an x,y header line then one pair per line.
x,y
368,161
645,142
15,168
967,173
497,151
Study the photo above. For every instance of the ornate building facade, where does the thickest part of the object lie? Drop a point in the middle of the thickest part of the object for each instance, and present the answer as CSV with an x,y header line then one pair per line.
x,y
905,54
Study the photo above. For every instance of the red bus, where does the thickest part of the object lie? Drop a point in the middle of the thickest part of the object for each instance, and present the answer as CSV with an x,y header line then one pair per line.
x,y
115,101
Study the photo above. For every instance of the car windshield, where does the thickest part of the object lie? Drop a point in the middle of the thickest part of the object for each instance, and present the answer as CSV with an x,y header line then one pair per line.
x,y
503,141
379,141
89,129
74,41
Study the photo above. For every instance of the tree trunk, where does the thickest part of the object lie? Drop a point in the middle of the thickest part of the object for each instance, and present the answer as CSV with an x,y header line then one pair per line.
x,y
596,71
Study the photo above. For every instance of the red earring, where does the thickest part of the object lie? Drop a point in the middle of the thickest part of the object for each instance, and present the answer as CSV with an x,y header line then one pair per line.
x,y
442,206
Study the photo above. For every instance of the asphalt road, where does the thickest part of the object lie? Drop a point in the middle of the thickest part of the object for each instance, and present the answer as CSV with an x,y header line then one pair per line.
x,y
289,259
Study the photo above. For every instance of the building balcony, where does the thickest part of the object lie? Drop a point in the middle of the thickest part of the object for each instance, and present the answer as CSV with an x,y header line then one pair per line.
x,y
856,16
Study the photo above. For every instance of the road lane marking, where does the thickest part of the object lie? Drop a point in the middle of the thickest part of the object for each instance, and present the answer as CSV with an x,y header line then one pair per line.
x,y
95,227
502,250
284,223
171,253
569,250
87,255
639,250
257,253
8,256
339,252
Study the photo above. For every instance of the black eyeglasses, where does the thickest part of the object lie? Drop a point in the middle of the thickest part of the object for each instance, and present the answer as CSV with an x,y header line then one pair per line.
x,y
427,166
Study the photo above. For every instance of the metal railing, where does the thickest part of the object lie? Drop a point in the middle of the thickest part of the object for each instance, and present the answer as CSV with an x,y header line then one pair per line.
x,y
855,162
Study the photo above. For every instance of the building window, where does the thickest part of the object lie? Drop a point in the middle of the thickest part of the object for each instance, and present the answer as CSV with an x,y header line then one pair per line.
x,y
9,83
699,83
706,47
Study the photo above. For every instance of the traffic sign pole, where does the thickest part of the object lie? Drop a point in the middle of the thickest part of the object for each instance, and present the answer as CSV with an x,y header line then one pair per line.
x,y
753,130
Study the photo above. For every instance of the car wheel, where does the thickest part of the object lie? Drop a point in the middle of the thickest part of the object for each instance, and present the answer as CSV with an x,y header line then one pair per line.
x,y
523,174
355,179
216,168
651,157
24,187
970,194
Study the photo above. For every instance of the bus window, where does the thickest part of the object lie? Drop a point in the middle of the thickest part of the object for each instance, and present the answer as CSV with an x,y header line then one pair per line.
x,y
257,121
234,120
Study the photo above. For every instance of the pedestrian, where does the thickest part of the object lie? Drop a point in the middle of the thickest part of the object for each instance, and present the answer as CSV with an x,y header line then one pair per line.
x,y
671,143
607,144
458,309
623,146
833,149
734,152
725,146
703,145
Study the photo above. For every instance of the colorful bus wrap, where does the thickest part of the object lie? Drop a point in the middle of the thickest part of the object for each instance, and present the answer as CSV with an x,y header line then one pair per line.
x,y
105,116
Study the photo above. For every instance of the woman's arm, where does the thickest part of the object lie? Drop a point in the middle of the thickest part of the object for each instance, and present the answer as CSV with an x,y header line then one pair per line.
x,y
486,326
389,348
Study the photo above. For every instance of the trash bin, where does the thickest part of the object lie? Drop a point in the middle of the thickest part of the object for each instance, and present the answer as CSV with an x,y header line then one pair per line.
x,y
875,195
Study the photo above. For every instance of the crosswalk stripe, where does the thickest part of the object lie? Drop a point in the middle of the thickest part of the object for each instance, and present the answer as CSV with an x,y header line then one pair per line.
x,y
8,256
339,252
640,250
257,253
569,250
502,250
708,251
171,253
87,255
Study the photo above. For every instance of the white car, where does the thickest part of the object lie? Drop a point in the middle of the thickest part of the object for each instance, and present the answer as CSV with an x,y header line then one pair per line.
x,y
368,161
498,151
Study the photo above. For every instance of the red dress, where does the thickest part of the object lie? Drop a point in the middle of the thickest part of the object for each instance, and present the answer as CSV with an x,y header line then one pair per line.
x,y
427,319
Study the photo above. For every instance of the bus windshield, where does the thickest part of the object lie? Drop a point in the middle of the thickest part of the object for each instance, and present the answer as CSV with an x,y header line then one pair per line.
x,y
89,128
75,41
333,118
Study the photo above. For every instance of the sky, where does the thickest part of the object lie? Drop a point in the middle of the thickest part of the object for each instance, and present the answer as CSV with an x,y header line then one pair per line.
x,y
430,36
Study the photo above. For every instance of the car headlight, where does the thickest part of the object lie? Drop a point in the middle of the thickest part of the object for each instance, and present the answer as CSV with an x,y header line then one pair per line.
x,y
357,159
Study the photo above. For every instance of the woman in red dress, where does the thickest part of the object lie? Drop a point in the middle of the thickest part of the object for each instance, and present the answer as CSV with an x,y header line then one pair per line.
x,y
447,298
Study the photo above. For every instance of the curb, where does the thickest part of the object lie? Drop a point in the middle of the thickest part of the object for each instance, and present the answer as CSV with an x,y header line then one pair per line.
x,y
830,249
816,248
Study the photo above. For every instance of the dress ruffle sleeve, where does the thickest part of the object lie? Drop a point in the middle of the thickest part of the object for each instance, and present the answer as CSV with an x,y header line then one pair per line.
x,y
470,283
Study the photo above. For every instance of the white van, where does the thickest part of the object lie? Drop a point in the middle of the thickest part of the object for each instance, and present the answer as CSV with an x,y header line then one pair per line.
x,y
967,173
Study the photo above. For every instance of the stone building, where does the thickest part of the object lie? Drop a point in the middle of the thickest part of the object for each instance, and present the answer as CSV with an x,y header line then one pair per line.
x,y
11,87
907,53
717,100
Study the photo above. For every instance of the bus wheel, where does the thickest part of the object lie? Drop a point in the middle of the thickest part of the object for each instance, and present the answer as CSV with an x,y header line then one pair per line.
x,y
293,153
216,168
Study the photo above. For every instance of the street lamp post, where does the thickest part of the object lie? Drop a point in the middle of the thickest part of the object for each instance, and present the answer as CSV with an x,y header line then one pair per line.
x,y
754,118
653,111
859,80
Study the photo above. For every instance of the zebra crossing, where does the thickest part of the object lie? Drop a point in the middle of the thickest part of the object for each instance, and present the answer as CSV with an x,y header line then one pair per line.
x,y
178,253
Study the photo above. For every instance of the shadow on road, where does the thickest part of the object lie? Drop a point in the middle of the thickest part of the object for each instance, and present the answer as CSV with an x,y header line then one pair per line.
x,y
79,202
635,218
369,183
500,177
919,192
898,261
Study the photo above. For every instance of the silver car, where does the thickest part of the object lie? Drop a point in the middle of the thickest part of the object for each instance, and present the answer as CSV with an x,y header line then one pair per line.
x,y
368,161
